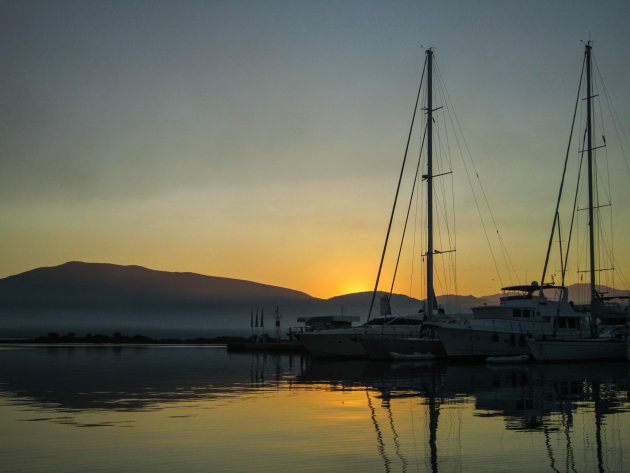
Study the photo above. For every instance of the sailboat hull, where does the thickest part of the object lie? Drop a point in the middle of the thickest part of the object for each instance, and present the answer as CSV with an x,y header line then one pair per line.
x,y
379,348
345,342
578,350
469,343
329,344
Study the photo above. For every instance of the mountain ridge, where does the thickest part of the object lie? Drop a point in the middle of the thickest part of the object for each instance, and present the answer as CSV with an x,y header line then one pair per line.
x,y
88,297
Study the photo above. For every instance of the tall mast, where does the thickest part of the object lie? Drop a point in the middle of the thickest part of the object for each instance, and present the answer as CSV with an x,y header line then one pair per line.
x,y
591,221
429,301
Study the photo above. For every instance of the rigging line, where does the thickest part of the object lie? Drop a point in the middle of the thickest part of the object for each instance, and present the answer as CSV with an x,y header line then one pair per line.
x,y
560,248
615,120
452,235
449,165
608,243
413,246
443,214
440,222
443,220
457,125
413,189
602,124
564,171
445,282
573,214
391,218
506,256
483,227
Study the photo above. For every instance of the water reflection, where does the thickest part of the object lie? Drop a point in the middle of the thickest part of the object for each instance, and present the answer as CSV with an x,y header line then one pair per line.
x,y
135,378
529,398
526,396
443,415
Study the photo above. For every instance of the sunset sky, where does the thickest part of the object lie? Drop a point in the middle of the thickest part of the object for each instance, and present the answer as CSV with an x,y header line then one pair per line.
x,y
262,140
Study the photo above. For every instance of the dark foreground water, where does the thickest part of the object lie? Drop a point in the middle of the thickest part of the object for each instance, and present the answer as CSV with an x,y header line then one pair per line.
x,y
179,409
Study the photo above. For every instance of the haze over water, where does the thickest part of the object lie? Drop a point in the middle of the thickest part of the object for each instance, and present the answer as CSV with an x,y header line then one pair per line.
x,y
165,408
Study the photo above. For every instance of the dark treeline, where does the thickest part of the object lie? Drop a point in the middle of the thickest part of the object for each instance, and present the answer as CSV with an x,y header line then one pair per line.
x,y
118,337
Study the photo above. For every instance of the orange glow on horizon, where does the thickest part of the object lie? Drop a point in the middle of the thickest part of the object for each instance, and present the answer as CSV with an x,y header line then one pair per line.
x,y
353,287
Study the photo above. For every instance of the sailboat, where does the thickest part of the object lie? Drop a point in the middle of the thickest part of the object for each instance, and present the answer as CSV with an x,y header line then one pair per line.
x,y
389,333
599,344
345,342
538,318
421,343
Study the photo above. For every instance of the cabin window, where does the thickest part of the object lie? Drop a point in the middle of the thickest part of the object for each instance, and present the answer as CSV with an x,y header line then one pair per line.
x,y
522,313
569,322
573,323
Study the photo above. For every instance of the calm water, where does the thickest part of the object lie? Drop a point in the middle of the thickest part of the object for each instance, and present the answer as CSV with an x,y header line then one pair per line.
x,y
178,409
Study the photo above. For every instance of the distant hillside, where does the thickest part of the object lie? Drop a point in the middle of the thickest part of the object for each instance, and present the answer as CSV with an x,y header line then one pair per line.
x,y
77,285
359,303
92,297
105,298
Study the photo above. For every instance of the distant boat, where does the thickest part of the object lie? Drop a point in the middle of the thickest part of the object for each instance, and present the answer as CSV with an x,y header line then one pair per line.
x,y
598,345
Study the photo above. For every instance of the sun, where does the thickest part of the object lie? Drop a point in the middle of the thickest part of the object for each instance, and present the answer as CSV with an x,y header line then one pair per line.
x,y
353,286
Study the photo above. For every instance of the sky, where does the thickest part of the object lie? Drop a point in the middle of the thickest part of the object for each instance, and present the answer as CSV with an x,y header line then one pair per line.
x,y
262,140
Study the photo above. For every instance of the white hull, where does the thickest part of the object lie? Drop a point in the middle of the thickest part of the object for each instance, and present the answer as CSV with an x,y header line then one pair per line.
x,y
346,342
483,337
333,344
382,348
578,349
469,343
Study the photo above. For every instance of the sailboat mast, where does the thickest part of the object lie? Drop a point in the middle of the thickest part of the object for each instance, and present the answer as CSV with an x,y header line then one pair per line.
x,y
591,221
591,217
429,177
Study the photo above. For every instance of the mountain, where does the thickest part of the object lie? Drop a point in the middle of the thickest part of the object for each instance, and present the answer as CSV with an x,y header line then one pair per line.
x,y
77,285
359,303
97,297
105,298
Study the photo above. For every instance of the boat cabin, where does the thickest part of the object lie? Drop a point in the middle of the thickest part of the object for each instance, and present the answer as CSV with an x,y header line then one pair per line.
x,y
326,322
529,303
